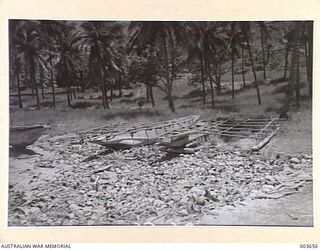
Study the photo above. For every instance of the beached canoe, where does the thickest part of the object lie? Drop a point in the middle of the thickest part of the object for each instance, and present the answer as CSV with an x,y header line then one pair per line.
x,y
22,136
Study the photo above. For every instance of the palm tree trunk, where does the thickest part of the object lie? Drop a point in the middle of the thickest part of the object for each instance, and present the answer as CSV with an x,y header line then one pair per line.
x,y
243,64
286,62
19,90
111,93
104,91
52,83
74,92
68,86
151,96
232,72
295,71
147,92
211,82
68,95
253,70
34,81
297,84
120,85
202,79
41,81
52,88
310,49
167,75
263,55
82,82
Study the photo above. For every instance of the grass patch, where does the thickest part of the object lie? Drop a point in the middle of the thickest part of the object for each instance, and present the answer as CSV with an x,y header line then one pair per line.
x,y
131,114
82,105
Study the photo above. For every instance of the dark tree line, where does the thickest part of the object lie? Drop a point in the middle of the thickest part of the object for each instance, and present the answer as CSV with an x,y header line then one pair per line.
x,y
109,56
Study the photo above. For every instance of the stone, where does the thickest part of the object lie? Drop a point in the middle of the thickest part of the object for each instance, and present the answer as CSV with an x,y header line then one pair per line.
x,y
201,200
92,193
197,191
74,207
183,212
34,210
294,160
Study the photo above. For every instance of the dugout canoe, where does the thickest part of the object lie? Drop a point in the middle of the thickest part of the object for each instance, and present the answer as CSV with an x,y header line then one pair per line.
x,y
22,136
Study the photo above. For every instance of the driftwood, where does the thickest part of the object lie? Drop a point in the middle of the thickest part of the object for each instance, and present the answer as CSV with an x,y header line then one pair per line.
x,y
265,141
275,196
96,183
180,150
102,169
96,156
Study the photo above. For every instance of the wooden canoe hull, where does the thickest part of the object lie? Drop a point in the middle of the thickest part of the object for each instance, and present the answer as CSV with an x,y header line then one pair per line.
x,y
22,136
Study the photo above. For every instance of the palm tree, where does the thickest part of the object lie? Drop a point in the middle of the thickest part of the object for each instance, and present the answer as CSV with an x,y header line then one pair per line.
x,y
68,54
264,35
17,69
295,63
28,44
235,39
307,39
166,36
101,38
196,50
54,32
245,29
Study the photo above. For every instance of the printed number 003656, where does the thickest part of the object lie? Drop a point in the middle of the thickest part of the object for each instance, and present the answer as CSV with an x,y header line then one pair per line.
x,y
313,246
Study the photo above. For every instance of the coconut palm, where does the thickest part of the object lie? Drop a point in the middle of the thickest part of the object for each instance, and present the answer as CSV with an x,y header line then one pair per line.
x,y
164,35
100,39
29,47
245,29
207,43
196,50
235,38
68,54
294,82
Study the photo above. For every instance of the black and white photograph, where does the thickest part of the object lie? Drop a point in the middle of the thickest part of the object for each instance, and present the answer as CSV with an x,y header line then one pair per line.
x,y
160,123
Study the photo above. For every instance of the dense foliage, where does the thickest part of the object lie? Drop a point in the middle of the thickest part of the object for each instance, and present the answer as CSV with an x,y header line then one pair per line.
x,y
112,55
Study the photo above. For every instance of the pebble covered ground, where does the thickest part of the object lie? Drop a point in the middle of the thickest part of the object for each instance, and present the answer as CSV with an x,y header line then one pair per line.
x,y
69,183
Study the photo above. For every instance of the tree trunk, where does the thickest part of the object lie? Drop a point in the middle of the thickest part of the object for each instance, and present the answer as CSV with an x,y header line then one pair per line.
x,y
286,62
310,49
34,81
243,64
74,88
41,81
167,75
297,84
104,91
295,71
68,86
211,82
52,82
68,95
232,72
82,82
52,88
120,85
202,79
147,92
111,93
253,70
151,96
263,55
19,90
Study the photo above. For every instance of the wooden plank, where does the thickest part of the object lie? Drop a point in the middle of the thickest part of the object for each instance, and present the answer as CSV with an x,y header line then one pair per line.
x,y
248,128
226,130
266,126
